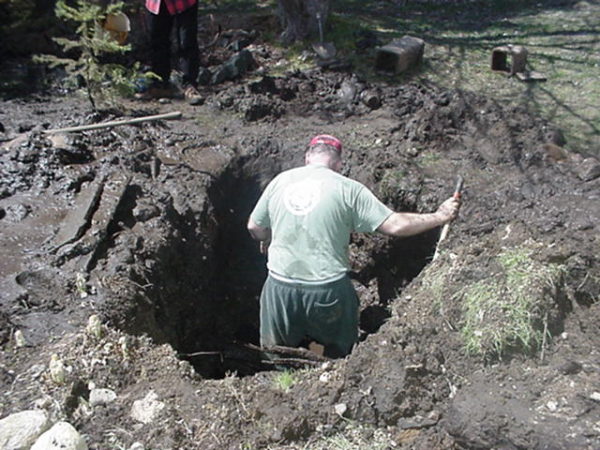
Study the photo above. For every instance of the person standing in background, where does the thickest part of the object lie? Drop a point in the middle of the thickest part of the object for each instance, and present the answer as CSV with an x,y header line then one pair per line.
x,y
162,16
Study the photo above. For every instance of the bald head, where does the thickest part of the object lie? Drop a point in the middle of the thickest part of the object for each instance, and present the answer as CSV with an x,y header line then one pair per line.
x,y
324,154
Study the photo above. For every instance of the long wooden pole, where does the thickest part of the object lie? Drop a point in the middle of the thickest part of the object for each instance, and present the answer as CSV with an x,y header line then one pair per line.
x,y
115,123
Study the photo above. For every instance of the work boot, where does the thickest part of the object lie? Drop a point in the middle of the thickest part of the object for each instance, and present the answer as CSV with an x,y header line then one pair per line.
x,y
156,92
192,96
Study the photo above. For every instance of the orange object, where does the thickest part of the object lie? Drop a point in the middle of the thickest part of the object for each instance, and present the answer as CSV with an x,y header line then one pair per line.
x,y
118,27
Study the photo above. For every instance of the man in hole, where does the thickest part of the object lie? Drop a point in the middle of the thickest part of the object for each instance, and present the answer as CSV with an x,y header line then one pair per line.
x,y
303,221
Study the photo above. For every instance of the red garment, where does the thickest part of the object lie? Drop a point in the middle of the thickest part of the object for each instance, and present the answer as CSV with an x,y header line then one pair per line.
x,y
173,6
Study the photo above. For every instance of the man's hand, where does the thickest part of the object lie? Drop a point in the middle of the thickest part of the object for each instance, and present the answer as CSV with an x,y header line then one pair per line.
x,y
260,234
264,246
449,209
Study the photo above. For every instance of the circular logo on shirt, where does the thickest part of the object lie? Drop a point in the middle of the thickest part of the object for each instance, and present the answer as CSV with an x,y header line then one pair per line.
x,y
301,198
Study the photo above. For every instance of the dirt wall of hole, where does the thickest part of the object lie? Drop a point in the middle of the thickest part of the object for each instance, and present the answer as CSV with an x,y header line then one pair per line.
x,y
202,273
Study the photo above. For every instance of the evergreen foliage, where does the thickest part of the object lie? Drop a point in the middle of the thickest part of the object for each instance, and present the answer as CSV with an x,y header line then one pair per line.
x,y
103,81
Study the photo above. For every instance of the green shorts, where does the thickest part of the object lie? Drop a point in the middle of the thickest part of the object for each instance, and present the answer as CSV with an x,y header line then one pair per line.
x,y
327,314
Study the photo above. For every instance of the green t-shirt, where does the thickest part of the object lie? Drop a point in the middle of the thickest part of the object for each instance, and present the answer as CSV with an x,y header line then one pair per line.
x,y
311,211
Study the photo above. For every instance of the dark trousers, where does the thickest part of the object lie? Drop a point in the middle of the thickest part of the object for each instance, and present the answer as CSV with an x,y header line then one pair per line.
x,y
186,33
325,313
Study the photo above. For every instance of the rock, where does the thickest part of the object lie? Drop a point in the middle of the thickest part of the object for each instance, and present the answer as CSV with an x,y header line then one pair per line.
x,y
340,409
348,91
57,369
147,409
17,212
570,368
20,339
137,446
144,211
266,85
102,397
325,377
234,67
94,326
20,430
589,169
595,396
61,436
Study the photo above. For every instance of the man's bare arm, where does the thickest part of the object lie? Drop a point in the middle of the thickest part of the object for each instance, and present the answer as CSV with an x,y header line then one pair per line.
x,y
409,224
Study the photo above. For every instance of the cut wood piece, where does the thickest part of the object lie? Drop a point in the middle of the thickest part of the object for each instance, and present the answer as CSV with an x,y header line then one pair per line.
x,y
78,218
400,54
112,195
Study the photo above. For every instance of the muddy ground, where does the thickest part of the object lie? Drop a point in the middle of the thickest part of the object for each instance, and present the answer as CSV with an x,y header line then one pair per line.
x,y
144,226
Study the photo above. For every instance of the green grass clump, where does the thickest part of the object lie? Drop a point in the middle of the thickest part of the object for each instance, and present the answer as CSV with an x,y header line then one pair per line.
x,y
285,380
507,310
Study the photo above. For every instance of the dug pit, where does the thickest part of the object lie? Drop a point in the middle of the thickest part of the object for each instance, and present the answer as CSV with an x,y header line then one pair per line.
x,y
194,274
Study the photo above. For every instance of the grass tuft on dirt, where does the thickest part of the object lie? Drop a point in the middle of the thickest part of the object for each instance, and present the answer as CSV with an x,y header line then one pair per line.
x,y
508,311
285,380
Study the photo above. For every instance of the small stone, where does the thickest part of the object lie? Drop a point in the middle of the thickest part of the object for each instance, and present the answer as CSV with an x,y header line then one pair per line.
x,y
412,151
552,405
340,409
145,212
57,369
147,409
570,368
137,446
94,326
20,339
595,396
589,169
102,397
325,377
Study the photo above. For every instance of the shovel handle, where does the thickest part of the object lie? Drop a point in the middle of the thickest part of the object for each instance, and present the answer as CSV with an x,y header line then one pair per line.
x,y
320,24
458,189
457,194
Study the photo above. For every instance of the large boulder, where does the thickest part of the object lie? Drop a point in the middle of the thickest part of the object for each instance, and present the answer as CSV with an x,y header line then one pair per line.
x,y
61,436
20,430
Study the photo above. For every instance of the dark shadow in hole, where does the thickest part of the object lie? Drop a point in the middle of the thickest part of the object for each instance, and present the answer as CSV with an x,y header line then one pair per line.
x,y
397,265
226,304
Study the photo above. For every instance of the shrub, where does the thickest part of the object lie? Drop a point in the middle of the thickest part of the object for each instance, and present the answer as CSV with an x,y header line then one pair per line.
x,y
103,81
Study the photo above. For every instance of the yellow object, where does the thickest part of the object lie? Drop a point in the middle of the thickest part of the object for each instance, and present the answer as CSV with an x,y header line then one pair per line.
x,y
118,26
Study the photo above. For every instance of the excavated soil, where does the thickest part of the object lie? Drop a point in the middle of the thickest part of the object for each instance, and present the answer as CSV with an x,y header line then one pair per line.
x,y
144,225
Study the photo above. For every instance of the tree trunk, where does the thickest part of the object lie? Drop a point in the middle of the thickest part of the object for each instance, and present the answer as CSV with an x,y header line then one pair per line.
x,y
299,18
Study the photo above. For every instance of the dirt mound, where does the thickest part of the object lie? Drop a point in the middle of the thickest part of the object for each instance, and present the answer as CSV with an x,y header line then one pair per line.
x,y
490,345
